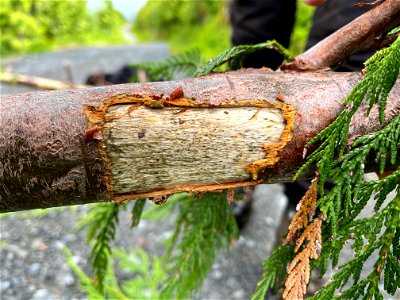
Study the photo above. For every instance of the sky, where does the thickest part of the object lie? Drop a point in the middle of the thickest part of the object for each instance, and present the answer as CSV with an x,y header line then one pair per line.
x,y
129,8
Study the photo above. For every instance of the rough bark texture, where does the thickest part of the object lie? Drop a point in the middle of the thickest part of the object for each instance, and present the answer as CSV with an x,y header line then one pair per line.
x,y
45,161
358,34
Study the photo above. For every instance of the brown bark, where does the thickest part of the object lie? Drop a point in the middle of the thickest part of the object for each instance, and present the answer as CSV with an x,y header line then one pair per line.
x,y
45,161
359,34
52,143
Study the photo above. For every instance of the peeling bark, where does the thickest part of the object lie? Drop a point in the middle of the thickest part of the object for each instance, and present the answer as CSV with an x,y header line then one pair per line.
x,y
45,161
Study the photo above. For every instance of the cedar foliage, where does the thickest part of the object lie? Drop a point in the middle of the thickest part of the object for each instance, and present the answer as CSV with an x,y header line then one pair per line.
x,y
321,227
101,224
343,204
205,225
185,64
236,53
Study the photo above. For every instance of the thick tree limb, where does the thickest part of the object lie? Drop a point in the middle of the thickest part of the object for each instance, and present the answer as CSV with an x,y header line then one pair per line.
x,y
101,144
45,161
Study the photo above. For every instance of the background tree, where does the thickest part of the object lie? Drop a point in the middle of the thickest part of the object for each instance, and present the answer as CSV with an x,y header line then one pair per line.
x,y
32,26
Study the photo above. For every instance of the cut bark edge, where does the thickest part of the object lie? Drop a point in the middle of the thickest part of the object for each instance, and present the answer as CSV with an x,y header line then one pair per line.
x,y
97,122
120,198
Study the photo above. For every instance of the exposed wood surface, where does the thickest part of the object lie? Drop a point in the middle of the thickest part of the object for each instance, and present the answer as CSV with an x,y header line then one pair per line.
x,y
151,148
44,161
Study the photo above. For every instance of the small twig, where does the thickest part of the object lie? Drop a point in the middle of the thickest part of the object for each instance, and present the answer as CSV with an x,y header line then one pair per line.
x,y
38,82
382,42
362,3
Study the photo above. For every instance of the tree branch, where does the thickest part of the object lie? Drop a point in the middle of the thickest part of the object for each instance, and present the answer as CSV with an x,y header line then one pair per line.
x,y
52,153
111,143
358,34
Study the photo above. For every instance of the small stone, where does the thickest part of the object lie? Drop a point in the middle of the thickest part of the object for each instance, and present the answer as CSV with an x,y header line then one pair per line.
x,y
239,294
31,288
34,269
70,237
76,259
216,274
66,279
241,240
17,250
42,294
250,243
39,244
58,245
4,285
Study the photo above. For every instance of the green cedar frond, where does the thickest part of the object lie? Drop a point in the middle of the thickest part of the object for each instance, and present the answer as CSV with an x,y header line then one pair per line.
x,y
162,212
391,282
274,270
354,229
105,234
137,211
203,227
186,63
101,223
236,53
339,279
382,70
394,30
85,283
347,170
148,272
365,243
349,192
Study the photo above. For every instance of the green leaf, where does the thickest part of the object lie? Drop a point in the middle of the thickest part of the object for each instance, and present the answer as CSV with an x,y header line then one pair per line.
x,y
236,53
137,211
205,225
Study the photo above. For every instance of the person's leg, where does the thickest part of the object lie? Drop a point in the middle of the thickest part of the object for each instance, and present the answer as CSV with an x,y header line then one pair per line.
x,y
256,21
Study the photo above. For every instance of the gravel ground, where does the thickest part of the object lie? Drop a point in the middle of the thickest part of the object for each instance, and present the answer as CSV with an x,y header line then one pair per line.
x,y
34,267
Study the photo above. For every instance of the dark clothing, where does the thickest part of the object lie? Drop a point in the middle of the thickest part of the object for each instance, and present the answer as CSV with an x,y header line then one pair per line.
x,y
256,21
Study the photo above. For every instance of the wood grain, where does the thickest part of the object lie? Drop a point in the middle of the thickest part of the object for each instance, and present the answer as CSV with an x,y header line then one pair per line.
x,y
159,148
